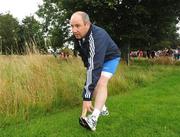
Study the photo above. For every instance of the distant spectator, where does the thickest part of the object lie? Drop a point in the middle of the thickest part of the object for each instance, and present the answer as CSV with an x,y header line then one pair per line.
x,y
152,53
144,54
148,54
169,52
140,53
177,54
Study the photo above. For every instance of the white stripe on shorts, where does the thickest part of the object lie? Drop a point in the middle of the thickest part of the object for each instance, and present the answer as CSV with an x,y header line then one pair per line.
x,y
106,74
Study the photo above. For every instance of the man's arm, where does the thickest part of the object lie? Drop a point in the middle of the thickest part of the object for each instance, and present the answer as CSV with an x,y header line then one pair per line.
x,y
97,50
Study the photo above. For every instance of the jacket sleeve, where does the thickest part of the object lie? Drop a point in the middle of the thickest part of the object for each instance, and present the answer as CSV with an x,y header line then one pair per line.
x,y
97,49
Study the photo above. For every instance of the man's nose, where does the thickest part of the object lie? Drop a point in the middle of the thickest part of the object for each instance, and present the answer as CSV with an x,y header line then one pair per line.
x,y
74,29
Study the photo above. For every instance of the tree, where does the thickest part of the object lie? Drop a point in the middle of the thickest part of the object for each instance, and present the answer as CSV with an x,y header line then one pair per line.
x,y
9,27
55,24
15,37
142,24
31,32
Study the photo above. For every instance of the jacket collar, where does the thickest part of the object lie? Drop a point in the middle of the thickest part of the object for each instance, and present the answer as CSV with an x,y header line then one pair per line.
x,y
89,32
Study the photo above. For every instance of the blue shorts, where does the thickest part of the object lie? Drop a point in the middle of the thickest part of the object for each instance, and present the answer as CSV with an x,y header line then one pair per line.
x,y
110,67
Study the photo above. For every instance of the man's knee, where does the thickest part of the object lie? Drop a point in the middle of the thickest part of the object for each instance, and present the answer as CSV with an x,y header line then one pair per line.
x,y
103,81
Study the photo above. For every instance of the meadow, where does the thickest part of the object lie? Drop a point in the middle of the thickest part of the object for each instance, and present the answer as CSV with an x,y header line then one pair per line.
x,y
37,86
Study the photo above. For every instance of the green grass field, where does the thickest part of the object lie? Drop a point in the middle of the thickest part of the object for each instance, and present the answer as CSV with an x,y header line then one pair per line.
x,y
149,109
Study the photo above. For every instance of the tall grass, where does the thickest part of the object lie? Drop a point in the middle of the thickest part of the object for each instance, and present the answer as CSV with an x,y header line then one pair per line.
x,y
38,84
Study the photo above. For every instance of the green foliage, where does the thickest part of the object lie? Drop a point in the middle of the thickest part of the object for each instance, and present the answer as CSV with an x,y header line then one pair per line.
x,y
55,22
145,24
9,28
16,38
32,33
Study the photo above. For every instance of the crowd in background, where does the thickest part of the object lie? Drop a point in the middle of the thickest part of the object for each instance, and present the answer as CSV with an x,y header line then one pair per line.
x,y
174,53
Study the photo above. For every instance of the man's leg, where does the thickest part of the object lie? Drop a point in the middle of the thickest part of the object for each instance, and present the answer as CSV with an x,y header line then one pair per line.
x,y
109,69
100,99
104,110
101,92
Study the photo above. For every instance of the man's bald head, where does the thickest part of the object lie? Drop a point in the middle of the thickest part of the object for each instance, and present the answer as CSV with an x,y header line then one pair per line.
x,y
80,24
83,15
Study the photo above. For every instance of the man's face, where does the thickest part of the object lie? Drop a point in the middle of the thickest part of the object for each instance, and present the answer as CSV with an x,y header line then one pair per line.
x,y
78,26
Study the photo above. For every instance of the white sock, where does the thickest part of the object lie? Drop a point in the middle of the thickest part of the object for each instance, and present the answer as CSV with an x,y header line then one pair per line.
x,y
104,108
96,113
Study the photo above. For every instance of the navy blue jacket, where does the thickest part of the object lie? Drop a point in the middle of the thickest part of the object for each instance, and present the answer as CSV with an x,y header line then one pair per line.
x,y
96,48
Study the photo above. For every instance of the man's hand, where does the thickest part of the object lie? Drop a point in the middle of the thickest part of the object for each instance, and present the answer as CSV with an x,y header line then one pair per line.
x,y
86,107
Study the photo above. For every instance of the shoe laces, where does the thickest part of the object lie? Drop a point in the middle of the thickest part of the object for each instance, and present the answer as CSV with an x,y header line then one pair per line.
x,y
92,120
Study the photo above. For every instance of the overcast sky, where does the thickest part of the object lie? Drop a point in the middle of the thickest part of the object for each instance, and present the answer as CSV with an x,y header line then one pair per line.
x,y
19,8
